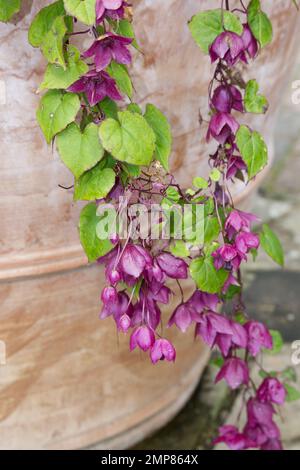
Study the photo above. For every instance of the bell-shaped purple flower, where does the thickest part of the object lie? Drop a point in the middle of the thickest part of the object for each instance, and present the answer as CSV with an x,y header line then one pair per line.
x,y
173,267
226,98
237,221
235,371
183,317
221,127
162,349
143,337
201,301
260,427
124,323
96,86
259,337
134,260
235,440
109,295
227,46
112,8
107,48
246,241
235,164
271,391
117,309
226,257
250,43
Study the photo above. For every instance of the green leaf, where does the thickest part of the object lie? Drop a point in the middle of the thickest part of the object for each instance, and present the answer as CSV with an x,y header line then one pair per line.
x,y
109,108
58,77
259,23
92,245
292,393
83,10
289,373
80,151
206,276
215,175
43,22
120,74
271,244
253,150
173,194
180,249
52,46
162,130
129,139
207,25
124,28
134,108
211,229
254,102
277,342
132,171
200,183
56,111
8,8
94,184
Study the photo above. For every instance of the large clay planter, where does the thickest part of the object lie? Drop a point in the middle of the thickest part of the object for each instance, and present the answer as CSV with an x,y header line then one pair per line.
x,y
69,381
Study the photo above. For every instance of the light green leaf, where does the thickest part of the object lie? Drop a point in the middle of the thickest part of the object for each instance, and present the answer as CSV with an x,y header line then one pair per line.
x,y
254,102
8,8
120,74
80,151
207,25
292,393
253,150
124,28
52,46
271,244
56,111
211,229
259,23
129,139
83,10
92,245
215,175
180,249
57,77
200,182
134,108
161,127
277,342
43,22
205,275
94,184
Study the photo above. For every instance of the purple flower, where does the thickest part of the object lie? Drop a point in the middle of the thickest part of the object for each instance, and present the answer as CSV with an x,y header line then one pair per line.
x,y
246,241
226,257
173,267
109,295
235,164
183,317
235,372
260,427
271,390
237,221
231,436
162,349
134,260
226,98
227,46
258,337
96,86
124,323
143,337
250,43
117,309
221,127
112,8
107,48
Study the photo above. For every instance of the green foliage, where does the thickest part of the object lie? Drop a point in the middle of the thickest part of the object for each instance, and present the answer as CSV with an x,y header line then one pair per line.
x,y
206,276
162,130
271,244
83,10
53,44
92,245
120,74
8,8
43,21
94,184
259,23
253,150
254,102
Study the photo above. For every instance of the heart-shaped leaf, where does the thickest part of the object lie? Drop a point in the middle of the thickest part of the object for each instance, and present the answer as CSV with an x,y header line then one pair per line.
x,y
254,102
253,150
92,245
207,25
259,23
206,276
43,22
56,111
162,130
52,46
94,184
83,10
119,73
58,77
80,151
8,8
271,244
129,139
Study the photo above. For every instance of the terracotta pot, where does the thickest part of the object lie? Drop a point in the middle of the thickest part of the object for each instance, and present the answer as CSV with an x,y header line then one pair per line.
x,y
69,382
